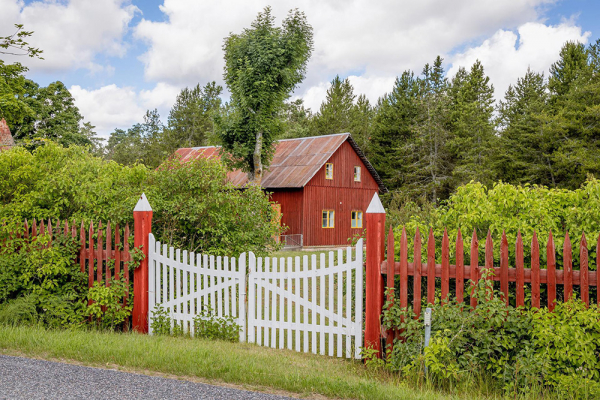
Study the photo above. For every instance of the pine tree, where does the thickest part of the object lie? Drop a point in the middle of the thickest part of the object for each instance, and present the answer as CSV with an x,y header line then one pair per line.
x,y
334,116
362,115
471,122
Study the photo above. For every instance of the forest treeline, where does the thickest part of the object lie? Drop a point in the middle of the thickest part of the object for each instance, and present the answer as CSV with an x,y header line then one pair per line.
x,y
428,135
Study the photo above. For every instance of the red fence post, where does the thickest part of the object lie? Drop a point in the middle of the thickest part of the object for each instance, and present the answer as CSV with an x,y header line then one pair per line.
x,y
375,216
142,217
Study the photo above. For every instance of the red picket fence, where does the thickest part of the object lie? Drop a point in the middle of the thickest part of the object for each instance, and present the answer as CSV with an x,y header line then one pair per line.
x,y
535,276
97,249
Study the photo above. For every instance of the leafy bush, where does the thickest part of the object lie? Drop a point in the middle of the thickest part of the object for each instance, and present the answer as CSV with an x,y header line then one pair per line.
x,y
509,208
194,205
105,303
517,349
206,325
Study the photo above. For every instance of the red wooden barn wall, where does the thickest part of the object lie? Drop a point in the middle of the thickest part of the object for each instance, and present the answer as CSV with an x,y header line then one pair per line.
x,y
341,194
291,208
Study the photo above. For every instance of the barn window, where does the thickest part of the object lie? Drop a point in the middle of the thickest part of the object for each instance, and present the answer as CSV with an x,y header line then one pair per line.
x,y
328,218
329,171
357,219
356,174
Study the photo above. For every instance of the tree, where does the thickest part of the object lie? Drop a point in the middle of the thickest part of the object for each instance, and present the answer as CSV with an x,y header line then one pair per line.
x,y
297,120
473,138
335,113
16,45
524,154
263,65
392,144
567,70
191,119
362,116
13,90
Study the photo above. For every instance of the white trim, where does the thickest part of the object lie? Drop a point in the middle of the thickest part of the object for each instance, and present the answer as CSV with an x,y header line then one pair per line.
x,y
142,204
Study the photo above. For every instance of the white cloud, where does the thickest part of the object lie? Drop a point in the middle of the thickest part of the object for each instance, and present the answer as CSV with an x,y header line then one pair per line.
x,y
113,107
506,56
71,33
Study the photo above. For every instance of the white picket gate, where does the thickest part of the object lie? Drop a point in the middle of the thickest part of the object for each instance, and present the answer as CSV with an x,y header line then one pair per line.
x,y
182,286
295,303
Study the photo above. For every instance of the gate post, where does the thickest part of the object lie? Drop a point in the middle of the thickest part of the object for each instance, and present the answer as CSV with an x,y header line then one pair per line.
x,y
142,217
375,216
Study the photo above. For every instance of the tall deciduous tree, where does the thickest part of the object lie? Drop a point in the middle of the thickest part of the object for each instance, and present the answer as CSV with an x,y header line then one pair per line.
x,y
263,65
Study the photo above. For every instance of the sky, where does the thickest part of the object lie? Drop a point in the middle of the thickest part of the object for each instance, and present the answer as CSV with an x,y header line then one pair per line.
x,y
120,58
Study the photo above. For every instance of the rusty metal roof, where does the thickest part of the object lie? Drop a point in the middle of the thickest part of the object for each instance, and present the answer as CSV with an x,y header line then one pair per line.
x,y
294,163
6,139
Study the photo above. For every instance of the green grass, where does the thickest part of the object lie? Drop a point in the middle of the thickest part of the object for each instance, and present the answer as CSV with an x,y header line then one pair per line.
x,y
246,365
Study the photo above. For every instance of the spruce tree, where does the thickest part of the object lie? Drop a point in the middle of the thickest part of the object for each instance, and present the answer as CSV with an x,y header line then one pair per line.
x,y
334,116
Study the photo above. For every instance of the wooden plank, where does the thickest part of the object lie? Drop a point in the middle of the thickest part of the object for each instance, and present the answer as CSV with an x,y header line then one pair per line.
x,y
330,305
34,231
520,267
322,305
504,267
474,266
91,255
82,250
568,267
431,268
390,284
298,293
126,256
348,328
460,268
403,269
417,274
108,253
339,303
99,255
583,268
535,271
118,252
551,267
305,268
314,300
445,267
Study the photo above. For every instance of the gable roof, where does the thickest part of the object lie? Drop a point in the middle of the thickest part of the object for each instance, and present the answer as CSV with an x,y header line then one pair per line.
x,y
6,139
295,162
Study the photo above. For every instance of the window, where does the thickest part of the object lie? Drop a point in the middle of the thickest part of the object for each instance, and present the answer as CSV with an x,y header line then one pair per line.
x,y
329,171
356,219
356,174
328,218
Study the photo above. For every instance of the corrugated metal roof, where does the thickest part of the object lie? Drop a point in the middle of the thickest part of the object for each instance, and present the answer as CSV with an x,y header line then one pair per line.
x,y
294,163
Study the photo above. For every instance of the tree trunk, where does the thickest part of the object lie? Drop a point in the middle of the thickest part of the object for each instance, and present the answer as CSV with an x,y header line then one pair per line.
x,y
258,167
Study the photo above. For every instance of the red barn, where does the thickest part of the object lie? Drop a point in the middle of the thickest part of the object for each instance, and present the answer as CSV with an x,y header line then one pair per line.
x,y
323,185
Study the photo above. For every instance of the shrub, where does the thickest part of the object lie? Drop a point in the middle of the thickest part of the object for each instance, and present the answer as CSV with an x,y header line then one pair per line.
x,y
106,303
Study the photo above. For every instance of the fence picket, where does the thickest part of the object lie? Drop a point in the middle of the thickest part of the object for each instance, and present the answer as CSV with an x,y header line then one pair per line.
x,y
322,304
568,267
474,267
504,267
297,270
348,336
551,267
108,253
390,283
259,306
304,307
99,258
358,308
535,271
489,255
290,289
267,306
314,299
90,255
418,273
403,269
430,268
252,298
583,268
460,268
445,267
282,285
520,266
117,253
330,306
339,303
274,319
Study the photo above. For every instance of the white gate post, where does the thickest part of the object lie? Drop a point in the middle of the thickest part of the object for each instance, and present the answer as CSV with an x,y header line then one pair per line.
x,y
151,280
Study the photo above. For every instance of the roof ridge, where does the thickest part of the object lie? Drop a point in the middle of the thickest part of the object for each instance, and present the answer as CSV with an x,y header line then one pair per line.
x,y
314,137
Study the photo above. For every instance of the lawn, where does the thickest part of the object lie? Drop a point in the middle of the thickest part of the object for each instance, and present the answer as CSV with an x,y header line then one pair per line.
x,y
244,365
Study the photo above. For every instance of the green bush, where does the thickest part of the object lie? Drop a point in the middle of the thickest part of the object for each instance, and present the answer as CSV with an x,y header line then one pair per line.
x,y
509,208
105,303
520,351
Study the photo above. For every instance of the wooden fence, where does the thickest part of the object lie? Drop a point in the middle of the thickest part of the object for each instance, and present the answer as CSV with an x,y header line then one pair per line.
x,y
98,247
459,272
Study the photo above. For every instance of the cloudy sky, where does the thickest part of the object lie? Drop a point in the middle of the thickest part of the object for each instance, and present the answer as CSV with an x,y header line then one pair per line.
x,y
120,58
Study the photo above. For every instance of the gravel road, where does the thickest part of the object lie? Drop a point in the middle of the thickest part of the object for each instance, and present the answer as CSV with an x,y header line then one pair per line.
x,y
24,378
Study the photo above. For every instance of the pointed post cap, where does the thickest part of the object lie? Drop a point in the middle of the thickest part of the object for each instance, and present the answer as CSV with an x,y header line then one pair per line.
x,y
142,204
375,207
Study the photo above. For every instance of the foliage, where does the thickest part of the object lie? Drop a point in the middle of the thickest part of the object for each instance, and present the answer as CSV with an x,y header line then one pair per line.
x,y
16,45
263,65
110,305
504,207
197,208
14,107
160,322
191,119
210,326
519,350
39,279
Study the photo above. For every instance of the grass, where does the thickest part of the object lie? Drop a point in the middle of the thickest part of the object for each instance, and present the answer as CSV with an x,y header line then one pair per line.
x,y
245,365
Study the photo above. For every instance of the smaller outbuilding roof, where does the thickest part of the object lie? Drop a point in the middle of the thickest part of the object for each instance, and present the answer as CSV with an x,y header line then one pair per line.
x,y
295,162
6,139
